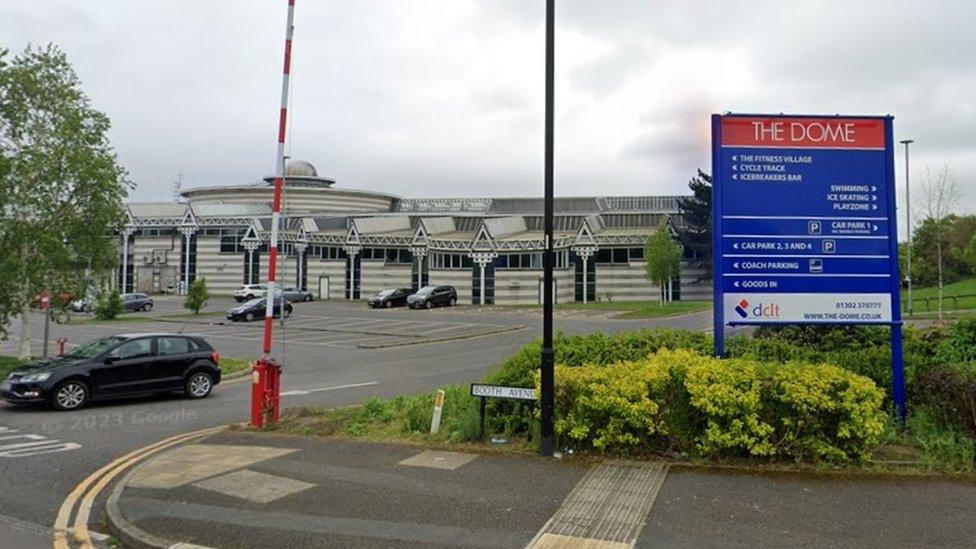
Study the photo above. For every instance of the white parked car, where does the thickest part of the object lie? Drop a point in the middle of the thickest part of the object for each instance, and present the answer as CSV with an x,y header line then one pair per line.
x,y
248,292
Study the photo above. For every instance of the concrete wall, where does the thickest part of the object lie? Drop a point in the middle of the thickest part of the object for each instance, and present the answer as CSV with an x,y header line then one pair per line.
x,y
224,271
460,279
624,282
287,270
145,246
335,270
521,287
693,287
377,275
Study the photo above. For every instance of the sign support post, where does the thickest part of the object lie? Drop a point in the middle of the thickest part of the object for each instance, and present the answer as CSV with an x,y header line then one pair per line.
x,y
805,227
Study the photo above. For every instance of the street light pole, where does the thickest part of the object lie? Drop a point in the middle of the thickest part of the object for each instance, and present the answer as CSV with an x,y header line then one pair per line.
x,y
547,398
908,223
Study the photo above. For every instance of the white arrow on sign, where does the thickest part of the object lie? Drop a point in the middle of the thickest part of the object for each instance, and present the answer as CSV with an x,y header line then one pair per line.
x,y
735,167
735,246
734,157
736,283
874,206
736,265
735,176
874,198
874,189
874,227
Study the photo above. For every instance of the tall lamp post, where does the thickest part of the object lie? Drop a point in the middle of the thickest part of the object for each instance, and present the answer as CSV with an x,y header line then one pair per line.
x,y
547,401
908,223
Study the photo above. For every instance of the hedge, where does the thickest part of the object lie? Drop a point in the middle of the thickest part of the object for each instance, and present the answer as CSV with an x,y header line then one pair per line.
x,y
684,401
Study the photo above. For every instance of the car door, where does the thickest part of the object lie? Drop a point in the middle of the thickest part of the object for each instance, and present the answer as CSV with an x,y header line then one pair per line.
x,y
174,355
441,295
124,369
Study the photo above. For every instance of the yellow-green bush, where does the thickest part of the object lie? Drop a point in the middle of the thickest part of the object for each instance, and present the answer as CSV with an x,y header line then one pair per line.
x,y
684,401
611,407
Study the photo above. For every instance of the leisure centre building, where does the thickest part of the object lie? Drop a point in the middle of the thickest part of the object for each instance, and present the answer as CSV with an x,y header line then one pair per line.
x,y
348,244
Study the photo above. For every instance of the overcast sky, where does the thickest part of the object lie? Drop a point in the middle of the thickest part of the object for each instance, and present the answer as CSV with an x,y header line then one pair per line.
x,y
445,97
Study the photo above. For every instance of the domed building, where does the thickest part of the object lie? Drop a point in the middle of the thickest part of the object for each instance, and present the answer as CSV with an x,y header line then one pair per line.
x,y
348,244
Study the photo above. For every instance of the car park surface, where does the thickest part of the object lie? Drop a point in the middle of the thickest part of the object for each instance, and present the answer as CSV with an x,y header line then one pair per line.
x,y
326,357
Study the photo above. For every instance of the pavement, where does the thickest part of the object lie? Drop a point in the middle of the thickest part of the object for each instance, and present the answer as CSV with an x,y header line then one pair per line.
x,y
325,363
243,490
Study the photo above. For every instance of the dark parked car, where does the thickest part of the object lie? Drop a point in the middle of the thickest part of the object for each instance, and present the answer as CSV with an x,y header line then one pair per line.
x,y
390,297
118,366
136,302
429,297
256,308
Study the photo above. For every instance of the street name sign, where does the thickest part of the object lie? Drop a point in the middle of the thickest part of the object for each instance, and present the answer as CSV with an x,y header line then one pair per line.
x,y
498,391
804,222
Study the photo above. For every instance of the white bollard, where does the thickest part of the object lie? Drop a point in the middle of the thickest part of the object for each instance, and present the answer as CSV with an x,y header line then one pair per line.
x,y
435,422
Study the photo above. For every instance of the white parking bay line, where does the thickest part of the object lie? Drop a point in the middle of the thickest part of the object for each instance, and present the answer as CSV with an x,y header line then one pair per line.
x,y
333,388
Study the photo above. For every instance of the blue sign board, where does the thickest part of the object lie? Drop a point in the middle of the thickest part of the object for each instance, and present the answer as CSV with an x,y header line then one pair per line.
x,y
804,222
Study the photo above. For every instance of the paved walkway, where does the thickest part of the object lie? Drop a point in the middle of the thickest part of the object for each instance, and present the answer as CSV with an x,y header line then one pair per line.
x,y
245,490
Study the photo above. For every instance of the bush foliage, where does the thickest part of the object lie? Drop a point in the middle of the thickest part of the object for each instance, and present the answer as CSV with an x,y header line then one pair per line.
x,y
684,401
108,305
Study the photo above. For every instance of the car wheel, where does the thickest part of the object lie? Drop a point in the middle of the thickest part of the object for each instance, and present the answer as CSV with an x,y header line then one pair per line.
x,y
389,304
147,307
429,304
69,395
249,317
308,297
198,385
452,302
249,297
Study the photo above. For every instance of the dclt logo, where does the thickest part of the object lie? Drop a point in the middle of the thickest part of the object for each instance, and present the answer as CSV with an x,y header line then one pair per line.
x,y
767,310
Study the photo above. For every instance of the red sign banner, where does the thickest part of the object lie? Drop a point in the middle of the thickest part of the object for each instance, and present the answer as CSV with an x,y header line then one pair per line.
x,y
803,132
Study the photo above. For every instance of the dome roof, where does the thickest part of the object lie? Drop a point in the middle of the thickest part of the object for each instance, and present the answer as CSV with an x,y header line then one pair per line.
x,y
300,168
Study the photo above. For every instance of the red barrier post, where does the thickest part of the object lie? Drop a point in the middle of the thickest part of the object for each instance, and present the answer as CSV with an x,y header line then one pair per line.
x,y
258,382
61,342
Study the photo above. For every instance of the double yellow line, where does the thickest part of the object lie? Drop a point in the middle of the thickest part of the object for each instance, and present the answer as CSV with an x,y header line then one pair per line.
x,y
97,482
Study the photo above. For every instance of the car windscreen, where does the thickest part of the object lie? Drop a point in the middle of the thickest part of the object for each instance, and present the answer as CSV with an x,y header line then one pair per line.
x,y
386,293
255,301
94,348
426,290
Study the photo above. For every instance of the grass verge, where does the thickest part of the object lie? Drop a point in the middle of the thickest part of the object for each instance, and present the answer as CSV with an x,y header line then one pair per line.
x,y
8,364
130,317
635,309
230,366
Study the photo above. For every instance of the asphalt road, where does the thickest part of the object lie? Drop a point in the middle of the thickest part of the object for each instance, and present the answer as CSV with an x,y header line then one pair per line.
x,y
324,363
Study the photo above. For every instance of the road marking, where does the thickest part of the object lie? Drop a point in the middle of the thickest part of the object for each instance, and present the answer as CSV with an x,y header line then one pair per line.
x,y
14,444
333,388
606,509
106,474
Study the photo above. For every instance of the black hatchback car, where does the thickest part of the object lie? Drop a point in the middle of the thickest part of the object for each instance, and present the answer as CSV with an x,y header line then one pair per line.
x,y
255,309
429,297
118,366
390,297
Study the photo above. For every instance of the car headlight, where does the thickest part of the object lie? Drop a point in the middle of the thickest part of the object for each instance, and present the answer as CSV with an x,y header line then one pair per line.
x,y
35,378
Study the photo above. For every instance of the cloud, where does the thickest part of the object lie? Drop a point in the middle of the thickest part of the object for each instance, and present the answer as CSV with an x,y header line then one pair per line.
x,y
445,97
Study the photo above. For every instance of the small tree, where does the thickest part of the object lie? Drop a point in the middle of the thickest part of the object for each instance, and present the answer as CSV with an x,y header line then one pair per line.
x,y
662,259
197,297
940,196
694,226
108,305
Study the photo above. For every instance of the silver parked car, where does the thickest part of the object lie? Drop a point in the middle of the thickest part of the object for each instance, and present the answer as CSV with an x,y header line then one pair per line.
x,y
294,294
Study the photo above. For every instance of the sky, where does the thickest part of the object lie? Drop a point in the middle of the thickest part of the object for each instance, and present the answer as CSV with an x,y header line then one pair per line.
x,y
445,97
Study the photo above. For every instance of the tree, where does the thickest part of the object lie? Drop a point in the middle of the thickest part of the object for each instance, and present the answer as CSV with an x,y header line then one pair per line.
x,y
197,297
62,188
695,225
662,259
108,305
940,196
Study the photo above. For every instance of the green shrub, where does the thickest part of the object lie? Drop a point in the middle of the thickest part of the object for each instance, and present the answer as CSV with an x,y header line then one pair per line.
x,y
951,391
611,407
959,342
108,305
827,338
685,401
197,297
942,445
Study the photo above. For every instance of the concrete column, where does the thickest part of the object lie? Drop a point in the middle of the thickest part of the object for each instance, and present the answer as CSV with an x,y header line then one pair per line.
x,y
251,249
482,259
300,248
585,253
187,233
420,254
352,251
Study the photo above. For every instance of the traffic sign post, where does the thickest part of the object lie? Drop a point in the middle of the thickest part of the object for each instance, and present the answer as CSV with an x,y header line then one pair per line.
x,y
804,227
